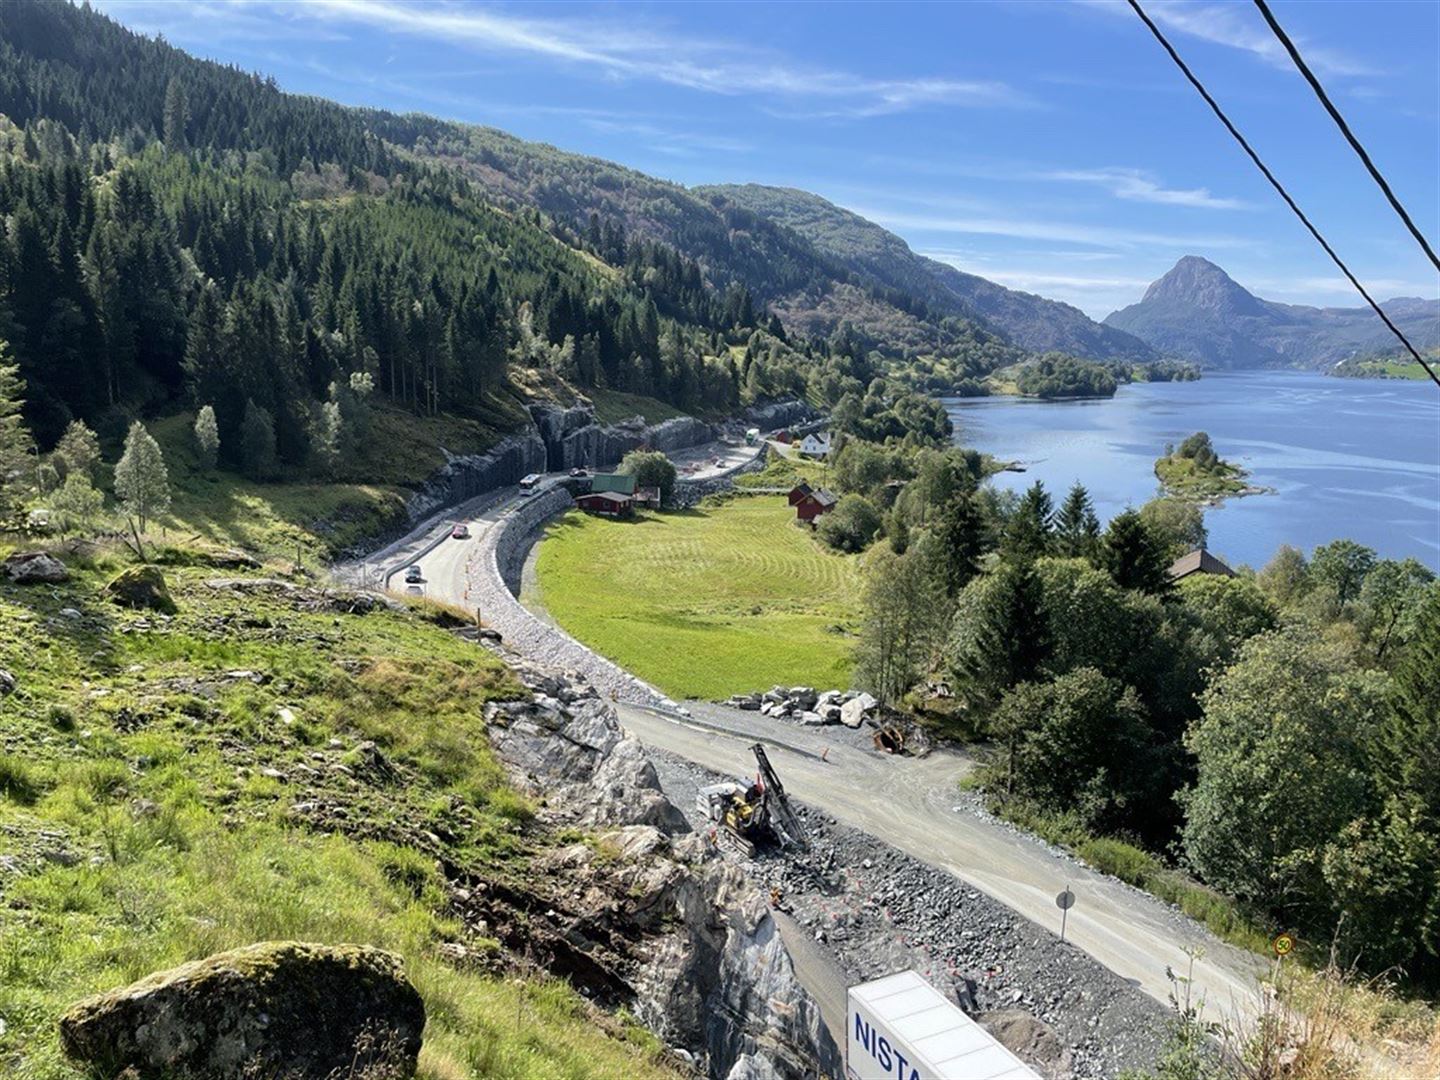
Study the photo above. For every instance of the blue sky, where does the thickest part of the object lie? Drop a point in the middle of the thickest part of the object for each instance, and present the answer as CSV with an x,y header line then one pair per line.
x,y
1049,146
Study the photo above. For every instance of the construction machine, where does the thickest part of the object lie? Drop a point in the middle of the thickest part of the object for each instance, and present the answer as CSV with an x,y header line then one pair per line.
x,y
747,814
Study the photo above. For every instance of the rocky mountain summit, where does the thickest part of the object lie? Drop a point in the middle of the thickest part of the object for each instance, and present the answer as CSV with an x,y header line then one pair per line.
x,y
1198,312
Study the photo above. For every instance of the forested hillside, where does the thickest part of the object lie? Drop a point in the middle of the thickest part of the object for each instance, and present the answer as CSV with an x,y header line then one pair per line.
x,y
816,291
1028,321
181,234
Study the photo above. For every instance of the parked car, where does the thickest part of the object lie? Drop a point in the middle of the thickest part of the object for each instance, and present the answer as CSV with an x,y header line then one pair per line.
x,y
414,576
460,532
579,470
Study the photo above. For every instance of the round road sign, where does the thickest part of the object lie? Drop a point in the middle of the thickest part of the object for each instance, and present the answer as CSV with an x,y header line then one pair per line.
x,y
1065,901
1283,945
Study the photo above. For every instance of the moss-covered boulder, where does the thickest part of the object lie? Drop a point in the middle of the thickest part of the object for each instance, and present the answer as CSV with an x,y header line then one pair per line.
x,y
142,587
280,1008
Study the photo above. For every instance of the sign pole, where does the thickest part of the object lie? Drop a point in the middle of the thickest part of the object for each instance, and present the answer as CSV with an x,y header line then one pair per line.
x,y
1064,901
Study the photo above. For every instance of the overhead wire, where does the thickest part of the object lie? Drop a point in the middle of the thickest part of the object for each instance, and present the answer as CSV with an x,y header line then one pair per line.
x,y
1344,127
1279,187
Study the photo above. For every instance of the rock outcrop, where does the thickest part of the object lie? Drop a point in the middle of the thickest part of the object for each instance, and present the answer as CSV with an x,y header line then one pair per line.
x,y
141,587
715,979
273,1009
35,568
465,476
575,437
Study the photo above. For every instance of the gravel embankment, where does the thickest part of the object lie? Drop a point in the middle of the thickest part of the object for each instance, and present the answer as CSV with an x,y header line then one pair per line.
x,y
498,558
877,911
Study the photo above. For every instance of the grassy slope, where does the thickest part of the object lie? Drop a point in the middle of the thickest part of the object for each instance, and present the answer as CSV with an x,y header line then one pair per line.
x,y
785,468
613,406
317,518
707,602
130,750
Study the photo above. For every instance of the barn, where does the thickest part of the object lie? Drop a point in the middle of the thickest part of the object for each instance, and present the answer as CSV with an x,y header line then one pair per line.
x,y
613,504
811,503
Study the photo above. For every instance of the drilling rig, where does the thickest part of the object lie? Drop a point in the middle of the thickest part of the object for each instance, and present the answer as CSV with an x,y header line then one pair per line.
x,y
746,815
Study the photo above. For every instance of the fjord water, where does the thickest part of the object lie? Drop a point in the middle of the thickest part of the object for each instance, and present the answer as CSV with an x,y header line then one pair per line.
x,y
1356,458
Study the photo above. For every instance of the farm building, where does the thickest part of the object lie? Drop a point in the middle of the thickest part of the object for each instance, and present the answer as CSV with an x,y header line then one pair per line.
x,y
648,497
607,504
810,504
620,483
1198,561
815,445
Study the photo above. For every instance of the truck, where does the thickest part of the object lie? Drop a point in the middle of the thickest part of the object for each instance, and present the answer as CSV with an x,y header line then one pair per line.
x,y
902,1028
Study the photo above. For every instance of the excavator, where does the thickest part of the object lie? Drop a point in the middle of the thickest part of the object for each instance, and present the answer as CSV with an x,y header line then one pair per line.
x,y
747,814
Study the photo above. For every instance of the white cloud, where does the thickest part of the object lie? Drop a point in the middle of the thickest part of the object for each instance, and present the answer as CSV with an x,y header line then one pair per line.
x,y
623,50
1236,26
1139,186
1085,235
666,140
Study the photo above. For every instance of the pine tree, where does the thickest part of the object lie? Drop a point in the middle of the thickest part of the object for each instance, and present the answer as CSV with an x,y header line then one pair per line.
x,y
177,115
962,542
1027,535
257,442
1134,556
142,482
1012,638
1411,732
78,451
1077,529
207,437
14,437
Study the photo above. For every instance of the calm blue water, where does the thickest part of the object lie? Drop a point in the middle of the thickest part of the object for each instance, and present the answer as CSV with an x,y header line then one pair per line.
x,y
1357,458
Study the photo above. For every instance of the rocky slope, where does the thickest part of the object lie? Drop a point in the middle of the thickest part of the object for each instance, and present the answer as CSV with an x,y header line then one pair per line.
x,y
1198,312
714,978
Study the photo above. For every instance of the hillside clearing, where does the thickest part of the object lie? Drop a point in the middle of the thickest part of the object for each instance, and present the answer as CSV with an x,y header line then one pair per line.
x,y
708,602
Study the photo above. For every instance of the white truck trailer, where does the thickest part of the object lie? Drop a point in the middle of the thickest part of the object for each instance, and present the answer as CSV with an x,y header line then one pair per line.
x,y
902,1028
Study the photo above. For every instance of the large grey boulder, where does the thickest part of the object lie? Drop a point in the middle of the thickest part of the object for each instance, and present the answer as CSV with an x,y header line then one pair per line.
x,y
852,713
280,1008
35,568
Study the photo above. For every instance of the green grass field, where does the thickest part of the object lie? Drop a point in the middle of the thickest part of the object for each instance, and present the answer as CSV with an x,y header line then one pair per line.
x,y
704,603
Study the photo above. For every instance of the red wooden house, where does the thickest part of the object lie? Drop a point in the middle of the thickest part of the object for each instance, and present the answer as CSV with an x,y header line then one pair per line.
x,y
810,502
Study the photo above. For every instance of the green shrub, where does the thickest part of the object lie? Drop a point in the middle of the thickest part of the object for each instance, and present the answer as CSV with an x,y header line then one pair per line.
x,y
18,781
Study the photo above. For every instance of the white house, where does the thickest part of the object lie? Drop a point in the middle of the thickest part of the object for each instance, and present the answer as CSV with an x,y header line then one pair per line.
x,y
815,446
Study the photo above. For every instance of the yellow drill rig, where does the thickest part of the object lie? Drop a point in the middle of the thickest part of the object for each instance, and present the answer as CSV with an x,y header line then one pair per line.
x,y
747,814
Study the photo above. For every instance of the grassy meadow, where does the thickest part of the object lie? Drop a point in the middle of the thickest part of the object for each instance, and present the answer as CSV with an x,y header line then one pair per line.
x,y
728,597
174,786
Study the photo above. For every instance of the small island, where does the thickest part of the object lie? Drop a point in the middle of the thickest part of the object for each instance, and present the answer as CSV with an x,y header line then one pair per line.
x,y
1056,375
1194,472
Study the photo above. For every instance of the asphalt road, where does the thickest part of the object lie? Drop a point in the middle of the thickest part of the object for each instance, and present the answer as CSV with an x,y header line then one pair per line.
x,y
910,803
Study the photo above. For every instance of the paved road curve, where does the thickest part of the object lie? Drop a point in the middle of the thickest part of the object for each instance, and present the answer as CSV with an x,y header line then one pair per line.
x,y
910,804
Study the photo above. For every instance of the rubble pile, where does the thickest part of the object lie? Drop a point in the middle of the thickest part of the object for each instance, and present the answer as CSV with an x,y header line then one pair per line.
x,y
892,731
876,910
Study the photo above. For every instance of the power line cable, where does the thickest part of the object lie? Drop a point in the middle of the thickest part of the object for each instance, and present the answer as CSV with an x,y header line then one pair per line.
x,y
1265,171
1345,129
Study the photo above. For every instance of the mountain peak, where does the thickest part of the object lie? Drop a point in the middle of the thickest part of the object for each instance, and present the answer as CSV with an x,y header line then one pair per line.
x,y
1200,283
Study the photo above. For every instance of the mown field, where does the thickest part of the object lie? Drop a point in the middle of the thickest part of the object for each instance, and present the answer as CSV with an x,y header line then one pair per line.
x,y
704,603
